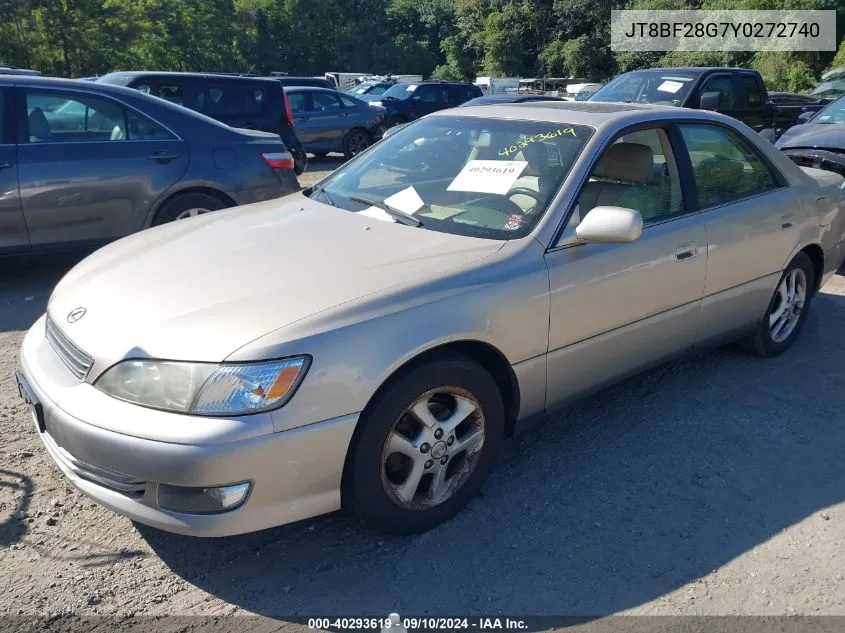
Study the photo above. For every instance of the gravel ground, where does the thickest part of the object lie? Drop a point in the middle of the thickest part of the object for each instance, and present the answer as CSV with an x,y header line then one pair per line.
x,y
710,486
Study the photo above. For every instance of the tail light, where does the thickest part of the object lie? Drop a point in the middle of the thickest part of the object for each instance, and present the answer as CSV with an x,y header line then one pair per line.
x,y
288,110
278,160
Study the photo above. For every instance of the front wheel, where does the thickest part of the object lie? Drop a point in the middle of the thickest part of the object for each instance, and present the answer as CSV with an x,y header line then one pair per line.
x,y
787,310
425,446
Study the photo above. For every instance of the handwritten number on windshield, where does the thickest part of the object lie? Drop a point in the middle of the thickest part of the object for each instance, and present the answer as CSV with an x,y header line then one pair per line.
x,y
543,136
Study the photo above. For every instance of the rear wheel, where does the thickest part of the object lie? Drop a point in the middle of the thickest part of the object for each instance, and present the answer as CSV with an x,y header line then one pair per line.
x,y
356,141
425,446
187,205
787,311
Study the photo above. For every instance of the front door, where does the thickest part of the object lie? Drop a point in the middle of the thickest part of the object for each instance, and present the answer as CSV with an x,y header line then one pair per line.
x,y
617,308
90,168
13,233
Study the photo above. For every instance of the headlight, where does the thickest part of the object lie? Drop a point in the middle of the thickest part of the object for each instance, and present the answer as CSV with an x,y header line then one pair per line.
x,y
205,388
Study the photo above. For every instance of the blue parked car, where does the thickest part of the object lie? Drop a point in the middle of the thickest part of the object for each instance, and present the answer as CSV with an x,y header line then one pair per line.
x,y
406,102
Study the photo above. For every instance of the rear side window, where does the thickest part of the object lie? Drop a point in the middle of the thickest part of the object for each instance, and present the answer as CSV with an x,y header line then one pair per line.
x,y
724,168
751,90
298,101
230,100
76,118
171,92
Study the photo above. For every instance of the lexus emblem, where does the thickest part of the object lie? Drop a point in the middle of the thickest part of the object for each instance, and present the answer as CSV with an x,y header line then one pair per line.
x,y
75,315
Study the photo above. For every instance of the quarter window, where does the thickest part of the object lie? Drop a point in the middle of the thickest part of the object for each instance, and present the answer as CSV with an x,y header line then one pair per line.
x,y
348,103
230,100
638,171
724,168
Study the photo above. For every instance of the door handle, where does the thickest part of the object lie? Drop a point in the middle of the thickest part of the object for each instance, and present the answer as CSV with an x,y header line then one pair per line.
x,y
686,251
6,165
163,157
786,222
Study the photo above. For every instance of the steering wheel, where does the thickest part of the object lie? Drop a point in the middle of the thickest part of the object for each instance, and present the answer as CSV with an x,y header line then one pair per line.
x,y
525,191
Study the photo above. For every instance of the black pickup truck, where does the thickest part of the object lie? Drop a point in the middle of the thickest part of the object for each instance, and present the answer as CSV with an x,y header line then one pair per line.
x,y
736,92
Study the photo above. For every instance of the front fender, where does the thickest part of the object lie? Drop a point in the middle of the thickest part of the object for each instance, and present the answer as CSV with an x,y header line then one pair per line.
x,y
357,347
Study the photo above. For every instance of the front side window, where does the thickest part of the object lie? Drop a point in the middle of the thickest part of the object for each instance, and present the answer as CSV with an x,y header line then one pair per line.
x,y
472,176
724,86
724,168
638,171
399,92
79,118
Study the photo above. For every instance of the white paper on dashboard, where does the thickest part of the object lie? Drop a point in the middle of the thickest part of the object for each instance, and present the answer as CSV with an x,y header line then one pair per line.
x,y
407,200
378,214
488,176
670,86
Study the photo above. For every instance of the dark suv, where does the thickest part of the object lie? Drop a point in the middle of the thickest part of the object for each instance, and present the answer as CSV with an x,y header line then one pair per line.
x,y
254,103
406,102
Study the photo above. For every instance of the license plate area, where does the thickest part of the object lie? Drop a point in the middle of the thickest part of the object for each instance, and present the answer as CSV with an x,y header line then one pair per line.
x,y
31,401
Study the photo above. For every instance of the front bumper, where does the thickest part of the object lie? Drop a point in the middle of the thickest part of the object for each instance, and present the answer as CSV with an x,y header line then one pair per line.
x,y
293,474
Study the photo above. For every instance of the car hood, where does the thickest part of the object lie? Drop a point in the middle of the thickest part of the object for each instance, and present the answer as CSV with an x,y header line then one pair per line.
x,y
201,288
814,135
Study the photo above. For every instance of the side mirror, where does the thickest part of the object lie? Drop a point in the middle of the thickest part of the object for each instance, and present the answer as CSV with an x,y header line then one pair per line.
x,y
610,225
805,117
710,100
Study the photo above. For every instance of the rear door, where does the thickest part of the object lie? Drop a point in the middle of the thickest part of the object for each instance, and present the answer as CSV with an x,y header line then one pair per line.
x,y
13,233
300,105
93,178
326,120
752,219
753,108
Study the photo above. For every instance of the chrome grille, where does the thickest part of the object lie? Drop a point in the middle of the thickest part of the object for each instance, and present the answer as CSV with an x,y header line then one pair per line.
x,y
77,361
96,474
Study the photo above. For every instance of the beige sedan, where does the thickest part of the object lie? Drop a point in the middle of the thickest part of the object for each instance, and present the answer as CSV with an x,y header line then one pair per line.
x,y
368,343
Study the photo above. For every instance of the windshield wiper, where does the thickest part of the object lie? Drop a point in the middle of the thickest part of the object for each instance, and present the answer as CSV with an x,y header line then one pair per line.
x,y
399,216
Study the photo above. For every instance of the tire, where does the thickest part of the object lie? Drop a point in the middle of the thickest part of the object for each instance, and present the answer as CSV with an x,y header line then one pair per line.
x,y
767,340
180,205
300,163
355,142
374,475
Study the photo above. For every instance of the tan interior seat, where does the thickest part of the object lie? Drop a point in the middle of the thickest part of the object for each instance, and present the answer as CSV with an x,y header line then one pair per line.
x,y
623,167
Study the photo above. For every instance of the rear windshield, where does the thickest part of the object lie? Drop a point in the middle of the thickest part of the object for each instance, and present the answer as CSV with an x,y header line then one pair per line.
x,y
399,91
648,87
229,99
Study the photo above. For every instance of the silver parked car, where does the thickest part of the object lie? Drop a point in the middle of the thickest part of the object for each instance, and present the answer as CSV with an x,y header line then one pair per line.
x,y
369,342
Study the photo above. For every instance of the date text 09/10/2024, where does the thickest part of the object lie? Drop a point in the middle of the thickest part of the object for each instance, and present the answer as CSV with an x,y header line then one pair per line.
x,y
395,624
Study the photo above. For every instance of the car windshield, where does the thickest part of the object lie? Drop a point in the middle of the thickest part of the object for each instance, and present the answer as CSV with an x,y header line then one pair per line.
x,y
399,91
369,88
647,87
472,176
830,89
833,113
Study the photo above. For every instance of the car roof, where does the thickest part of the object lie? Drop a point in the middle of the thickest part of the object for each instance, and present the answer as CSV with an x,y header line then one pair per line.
x,y
692,69
177,75
290,89
590,113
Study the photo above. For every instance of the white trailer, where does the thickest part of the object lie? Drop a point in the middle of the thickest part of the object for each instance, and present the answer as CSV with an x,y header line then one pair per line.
x,y
497,85
344,81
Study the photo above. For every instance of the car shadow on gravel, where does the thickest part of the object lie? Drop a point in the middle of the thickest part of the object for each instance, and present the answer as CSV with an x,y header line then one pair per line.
x,y
629,495
12,529
26,285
